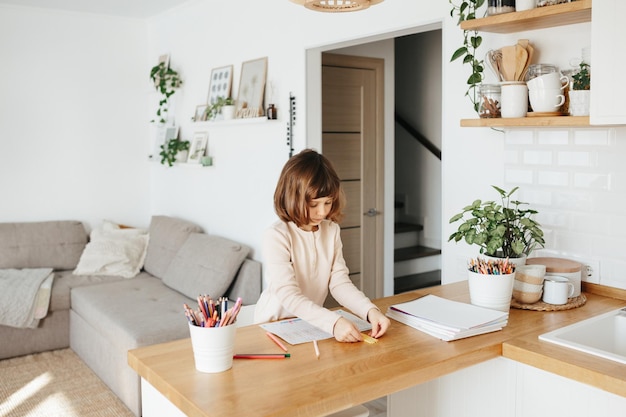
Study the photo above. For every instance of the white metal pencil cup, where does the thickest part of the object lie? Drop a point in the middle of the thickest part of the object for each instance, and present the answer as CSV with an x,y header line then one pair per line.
x,y
213,347
491,291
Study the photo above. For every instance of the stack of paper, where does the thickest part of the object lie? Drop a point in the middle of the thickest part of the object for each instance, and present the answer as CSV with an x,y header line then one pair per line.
x,y
447,319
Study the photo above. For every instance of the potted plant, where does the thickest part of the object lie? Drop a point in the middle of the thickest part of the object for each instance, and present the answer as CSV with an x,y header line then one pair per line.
x,y
166,81
174,150
580,93
468,51
221,105
503,230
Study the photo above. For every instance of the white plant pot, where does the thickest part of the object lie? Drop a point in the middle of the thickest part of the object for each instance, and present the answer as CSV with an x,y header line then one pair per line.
x,y
515,261
491,291
579,102
228,112
181,156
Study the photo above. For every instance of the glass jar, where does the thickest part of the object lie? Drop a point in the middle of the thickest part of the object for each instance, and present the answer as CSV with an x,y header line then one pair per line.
x,y
490,98
500,6
535,70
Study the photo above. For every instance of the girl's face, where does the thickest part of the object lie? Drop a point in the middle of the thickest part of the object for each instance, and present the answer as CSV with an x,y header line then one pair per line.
x,y
318,210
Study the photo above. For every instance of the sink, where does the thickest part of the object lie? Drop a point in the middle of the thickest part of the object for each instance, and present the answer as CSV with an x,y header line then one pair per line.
x,y
603,335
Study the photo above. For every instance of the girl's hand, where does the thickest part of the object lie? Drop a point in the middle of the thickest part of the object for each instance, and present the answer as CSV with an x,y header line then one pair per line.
x,y
346,331
380,322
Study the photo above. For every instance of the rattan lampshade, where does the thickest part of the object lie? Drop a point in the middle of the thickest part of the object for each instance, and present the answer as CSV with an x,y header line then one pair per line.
x,y
334,6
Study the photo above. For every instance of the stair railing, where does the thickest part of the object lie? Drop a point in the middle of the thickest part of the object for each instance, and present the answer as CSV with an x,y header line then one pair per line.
x,y
417,135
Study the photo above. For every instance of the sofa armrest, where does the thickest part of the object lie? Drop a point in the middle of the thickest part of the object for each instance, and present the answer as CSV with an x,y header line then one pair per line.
x,y
247,283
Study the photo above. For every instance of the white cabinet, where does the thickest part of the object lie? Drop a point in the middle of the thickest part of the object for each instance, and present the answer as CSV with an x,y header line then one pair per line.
x,y
608,61
504,388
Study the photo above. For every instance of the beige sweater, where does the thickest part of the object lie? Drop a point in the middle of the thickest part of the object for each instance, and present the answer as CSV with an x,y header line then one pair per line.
x,y
299,268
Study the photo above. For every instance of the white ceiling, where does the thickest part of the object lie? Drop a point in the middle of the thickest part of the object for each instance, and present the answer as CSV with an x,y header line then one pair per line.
x,y
128,8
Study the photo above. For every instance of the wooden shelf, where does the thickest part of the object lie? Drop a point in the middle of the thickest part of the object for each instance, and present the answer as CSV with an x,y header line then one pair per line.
x,y
522,122
538,18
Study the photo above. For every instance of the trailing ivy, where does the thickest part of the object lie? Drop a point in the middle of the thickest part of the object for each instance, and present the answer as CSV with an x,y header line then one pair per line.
x,y
471,42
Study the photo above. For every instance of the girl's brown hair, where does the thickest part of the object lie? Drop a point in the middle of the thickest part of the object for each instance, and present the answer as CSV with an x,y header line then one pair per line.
x,y
305,177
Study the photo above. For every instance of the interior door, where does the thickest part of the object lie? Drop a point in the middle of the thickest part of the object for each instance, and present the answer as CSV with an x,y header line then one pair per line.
x,y
352,119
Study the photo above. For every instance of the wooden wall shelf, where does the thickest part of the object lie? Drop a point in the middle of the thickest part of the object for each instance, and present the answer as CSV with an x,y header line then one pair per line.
x,y
538,18
523,122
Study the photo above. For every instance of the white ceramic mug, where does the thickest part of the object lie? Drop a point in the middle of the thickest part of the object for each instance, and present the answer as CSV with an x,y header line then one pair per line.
x,y
548,81
557,289
546,100
514,96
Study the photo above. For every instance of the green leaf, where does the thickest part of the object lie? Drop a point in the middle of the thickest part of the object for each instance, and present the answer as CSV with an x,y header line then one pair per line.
x,y
458,53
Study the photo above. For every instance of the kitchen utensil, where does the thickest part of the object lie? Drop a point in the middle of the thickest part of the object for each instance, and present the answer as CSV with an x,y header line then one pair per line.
x,y
521,57
494,58
508,62
531,51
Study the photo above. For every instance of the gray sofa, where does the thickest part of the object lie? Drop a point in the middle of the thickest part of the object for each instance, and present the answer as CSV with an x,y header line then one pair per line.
x,y
101,317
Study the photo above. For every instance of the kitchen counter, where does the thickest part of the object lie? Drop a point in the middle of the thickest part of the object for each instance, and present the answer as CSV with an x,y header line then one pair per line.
x,y
602,373
347,374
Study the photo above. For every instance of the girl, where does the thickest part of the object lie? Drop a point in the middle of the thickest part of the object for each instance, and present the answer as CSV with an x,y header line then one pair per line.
x,y
303,253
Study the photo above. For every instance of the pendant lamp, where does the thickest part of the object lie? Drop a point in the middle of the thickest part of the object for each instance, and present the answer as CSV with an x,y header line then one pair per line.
x,y
334,6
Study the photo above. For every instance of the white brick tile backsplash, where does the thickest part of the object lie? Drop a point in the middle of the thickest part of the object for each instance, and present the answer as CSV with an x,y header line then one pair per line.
x,y
591,137
553,178
518,176
519,137
576,180
591,180
553,137
579,159
532,157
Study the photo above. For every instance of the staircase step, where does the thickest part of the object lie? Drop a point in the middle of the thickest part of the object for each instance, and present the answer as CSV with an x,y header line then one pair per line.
x,y
416,281
414,252
402,227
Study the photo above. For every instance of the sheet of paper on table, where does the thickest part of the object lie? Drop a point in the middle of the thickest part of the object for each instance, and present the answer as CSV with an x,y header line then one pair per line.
x,y
295,331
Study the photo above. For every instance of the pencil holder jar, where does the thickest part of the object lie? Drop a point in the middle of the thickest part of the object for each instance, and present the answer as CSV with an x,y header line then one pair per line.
x,y
491,291
213,347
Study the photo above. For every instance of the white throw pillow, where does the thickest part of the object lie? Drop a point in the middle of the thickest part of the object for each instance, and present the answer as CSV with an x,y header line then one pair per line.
x,y
114,251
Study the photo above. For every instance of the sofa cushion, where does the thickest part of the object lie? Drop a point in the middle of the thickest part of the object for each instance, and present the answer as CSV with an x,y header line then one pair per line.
x,y
205,264
114,251
167,235
50,244
134,312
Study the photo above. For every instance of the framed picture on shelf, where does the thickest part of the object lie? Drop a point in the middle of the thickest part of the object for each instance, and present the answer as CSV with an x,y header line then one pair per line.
x,y
200,115
198,147
252,88
221,83
162,135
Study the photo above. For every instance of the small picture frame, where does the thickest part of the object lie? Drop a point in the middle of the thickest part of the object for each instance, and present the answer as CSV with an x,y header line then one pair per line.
x,y
220,84
198,147
162,136
252,88
200,115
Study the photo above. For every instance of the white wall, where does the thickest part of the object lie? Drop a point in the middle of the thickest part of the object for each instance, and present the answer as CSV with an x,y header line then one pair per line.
x,y
76,101
73,117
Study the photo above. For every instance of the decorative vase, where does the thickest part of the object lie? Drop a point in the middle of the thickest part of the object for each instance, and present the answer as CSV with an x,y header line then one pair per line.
x,y
579,102
491,291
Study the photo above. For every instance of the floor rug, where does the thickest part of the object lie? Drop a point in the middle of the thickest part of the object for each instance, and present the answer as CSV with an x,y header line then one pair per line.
x,y
55,384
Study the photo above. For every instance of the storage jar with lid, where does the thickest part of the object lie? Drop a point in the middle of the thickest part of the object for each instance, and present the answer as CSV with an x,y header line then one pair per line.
x,y
500,6
536,70
567,268
489,101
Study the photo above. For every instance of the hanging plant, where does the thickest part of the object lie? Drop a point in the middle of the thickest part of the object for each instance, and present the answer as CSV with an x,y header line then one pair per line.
x,y
166,81
471,42
171,148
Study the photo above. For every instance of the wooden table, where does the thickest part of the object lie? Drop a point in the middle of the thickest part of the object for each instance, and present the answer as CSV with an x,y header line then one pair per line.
x,y
346,374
